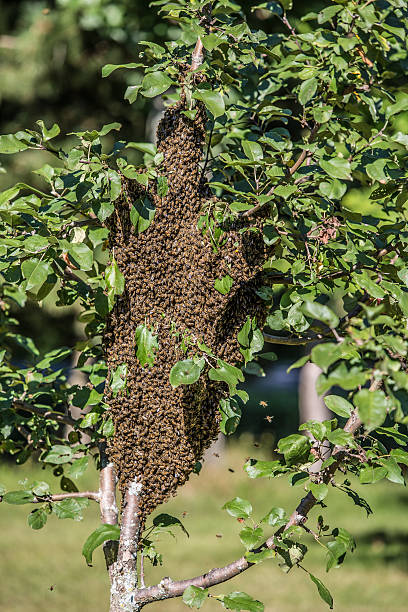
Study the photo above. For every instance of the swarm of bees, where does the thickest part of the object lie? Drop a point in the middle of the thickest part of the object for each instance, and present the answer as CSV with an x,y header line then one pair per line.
x,y
170,269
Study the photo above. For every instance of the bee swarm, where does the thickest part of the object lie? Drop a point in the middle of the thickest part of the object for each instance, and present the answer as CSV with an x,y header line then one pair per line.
x,y
170,270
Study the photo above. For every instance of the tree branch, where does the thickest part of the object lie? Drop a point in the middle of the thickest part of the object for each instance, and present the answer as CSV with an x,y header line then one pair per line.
x,y
43,412
94,495
124,571
56,497
107,480
108,507
197,56
291,341
167,589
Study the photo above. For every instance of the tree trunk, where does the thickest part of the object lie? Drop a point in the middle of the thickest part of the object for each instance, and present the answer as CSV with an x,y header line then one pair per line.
x,y
123,573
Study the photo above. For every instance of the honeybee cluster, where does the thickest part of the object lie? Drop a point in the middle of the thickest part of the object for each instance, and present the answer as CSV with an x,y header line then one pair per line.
x,y
170,270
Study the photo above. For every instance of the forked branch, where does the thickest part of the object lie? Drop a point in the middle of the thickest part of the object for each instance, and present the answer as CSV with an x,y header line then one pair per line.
x,y
167,589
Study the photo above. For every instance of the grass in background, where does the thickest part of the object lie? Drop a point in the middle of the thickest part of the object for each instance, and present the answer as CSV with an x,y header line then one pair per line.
x,y
44,570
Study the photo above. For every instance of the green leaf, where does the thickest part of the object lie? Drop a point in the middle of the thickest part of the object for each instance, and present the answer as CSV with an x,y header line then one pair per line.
x,y
242,601
334,190
369,285
142,214
194,596
393,433
184,372
81,256
238,507
213,101
8,195
321,313
18,497
372,407
322,114
371,474
166,521
115,184
146,344
78,467
276,517
58,454
109,68
337,167
131,93
108,428
144,147
258,557
244,334
295,448
37,518
268,356
323,591
36,272
212,41
339,437
375,170
261,469
118,378
48,134
155,83
319,490
230,415
299,363
223,285
228,374
252,150
394,471
325,354
250,536
71,508
338,405
275,320
307,90
162,186
9,143
114,278
98,537
400,455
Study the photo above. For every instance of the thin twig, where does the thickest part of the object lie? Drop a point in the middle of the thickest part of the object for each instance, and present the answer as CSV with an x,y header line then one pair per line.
x,y
56,497
43,412
292,341
366,146
207,153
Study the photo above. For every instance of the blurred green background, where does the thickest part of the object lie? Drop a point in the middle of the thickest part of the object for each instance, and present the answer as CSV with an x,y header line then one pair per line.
x,y
51,55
